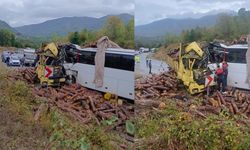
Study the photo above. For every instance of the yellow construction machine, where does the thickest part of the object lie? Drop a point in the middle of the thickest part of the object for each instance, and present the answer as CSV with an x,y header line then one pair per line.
x,y
192,68
49,68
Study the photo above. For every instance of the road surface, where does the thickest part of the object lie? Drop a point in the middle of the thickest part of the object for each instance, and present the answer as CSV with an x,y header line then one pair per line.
x,y
157,65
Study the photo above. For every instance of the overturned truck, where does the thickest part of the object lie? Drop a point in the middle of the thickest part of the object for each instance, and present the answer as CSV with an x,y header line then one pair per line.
x,y
195,66
190,62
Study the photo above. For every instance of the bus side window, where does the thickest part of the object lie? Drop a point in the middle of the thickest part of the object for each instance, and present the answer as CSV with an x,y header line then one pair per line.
x,y
119,61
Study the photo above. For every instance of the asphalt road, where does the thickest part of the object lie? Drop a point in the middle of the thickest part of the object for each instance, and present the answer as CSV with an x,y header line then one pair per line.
x,y
157,65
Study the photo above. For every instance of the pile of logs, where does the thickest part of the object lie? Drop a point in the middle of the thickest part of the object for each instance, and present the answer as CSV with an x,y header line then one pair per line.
x,y
173,53
149,89
24,74
157,85
84,104
241,40
235,102
102,40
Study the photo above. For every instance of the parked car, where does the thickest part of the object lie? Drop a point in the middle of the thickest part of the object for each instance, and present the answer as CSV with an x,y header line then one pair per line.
x,y
14,60
29,57
144,50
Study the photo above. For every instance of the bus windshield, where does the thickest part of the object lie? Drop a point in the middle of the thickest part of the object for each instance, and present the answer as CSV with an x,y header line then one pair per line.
x,y
236,55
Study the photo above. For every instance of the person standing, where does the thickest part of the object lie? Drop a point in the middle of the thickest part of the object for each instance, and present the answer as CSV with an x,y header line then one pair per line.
x,y
150,66
22,61
147,61
220,75
225,72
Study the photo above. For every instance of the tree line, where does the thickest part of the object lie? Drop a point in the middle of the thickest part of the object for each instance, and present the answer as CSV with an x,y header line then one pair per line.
x,y
114,28
227,28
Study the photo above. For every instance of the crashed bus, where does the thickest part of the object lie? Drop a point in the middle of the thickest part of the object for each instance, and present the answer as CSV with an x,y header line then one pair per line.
x,y
235,56
119,68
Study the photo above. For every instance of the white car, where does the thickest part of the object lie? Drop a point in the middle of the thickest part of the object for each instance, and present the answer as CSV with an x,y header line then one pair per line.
x,y
14,61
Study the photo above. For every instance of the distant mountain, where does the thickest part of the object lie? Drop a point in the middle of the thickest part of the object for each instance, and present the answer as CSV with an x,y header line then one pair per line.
x,y
4,25
62,26
174,26
199,15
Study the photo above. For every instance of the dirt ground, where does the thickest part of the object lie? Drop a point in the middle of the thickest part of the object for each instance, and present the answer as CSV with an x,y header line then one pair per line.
x,y
19,133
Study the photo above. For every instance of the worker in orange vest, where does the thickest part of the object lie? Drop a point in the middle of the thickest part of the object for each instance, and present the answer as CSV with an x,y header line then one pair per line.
x,y
220,77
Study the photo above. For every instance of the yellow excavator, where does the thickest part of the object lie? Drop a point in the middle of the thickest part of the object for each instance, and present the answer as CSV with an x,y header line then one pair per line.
x,y
49,68
192,68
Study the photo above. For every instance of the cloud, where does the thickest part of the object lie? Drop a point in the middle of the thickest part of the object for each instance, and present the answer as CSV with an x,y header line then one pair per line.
x,y
147,11
22,12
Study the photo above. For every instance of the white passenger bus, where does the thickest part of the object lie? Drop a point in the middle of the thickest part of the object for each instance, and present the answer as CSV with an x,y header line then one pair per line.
x,y
118,72
235,56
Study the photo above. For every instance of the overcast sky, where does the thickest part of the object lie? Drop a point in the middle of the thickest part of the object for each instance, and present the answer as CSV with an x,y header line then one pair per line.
x,y
147,11
22,12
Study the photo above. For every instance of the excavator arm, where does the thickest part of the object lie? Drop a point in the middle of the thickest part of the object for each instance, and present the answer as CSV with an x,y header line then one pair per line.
x,y
49,50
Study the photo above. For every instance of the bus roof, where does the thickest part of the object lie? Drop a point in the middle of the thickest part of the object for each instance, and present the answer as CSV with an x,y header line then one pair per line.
x,y
235,46
109,50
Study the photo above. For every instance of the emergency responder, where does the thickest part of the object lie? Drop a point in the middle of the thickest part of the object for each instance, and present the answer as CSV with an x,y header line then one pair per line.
x,y
220,75
137,59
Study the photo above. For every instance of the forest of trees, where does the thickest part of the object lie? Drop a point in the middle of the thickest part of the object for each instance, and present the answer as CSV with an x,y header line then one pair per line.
x,y
7,38
226,28
114,28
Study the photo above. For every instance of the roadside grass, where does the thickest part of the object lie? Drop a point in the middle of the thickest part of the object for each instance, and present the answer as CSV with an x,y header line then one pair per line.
x,y
173,128
54,129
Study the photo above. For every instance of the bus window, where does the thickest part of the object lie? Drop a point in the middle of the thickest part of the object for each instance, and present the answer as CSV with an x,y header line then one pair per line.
x,y
237,55
118,61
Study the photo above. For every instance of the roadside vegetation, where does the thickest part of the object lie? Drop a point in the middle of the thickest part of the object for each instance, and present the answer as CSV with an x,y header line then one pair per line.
x,y
176,128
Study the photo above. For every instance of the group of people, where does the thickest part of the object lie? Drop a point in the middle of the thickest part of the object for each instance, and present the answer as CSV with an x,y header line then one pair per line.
x,y
221,73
